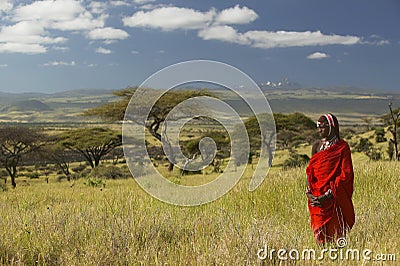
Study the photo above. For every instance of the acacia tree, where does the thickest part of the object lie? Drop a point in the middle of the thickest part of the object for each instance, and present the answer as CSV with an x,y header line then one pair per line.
x,y
15,143
115,111
56,153
92,143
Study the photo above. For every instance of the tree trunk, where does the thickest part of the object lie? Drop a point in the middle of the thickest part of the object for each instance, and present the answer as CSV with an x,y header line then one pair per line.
x,y
96,161
14,173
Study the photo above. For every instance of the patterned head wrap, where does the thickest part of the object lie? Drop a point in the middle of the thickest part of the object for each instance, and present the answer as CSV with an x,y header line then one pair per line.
x,y
332,123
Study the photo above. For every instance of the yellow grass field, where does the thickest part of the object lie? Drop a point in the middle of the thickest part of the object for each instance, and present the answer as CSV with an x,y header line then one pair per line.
x,y
56,224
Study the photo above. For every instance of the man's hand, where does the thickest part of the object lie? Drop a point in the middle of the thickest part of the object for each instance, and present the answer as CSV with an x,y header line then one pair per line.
x,y
314,201
317,201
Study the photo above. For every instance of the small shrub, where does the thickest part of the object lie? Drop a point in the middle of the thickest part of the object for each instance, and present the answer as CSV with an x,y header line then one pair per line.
x,y
380,135
295,160
3,187
374,154
363,145
95,182
108,172
79,168
33,175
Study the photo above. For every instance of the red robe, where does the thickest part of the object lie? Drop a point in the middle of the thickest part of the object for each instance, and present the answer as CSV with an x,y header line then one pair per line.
x,y
332,169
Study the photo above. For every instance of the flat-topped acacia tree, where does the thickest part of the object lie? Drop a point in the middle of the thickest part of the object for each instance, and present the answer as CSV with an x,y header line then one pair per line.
x,y
16,142
115,111
92,143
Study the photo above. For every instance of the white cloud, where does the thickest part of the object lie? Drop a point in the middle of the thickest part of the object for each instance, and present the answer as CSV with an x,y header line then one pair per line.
x,y
270,39
143,1
35,22
212,25
151,6
223,33
60,63
135,52
92,65
25,48
102,50
107,33
375,40
5,5
3,65
236,15
28,33
60,48
59,15
119,3
98,7
317,55
170,18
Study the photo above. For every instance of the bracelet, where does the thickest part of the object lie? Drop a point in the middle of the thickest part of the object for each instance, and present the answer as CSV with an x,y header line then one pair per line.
x,y
328,194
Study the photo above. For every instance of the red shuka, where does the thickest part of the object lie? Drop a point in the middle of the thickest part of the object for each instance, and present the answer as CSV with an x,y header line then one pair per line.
x,y
332,169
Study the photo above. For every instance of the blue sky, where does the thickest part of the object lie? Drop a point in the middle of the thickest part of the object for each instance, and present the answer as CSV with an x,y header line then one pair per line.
x,y
57,45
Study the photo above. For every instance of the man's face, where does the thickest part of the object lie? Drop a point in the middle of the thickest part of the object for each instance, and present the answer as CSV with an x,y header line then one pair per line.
x,y
323,129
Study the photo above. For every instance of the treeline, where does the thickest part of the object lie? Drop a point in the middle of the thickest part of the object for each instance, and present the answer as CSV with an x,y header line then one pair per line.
x,y
23,145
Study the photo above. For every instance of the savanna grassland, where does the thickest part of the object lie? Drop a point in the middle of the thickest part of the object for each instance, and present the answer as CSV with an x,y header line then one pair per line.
x,y
59,223
115,222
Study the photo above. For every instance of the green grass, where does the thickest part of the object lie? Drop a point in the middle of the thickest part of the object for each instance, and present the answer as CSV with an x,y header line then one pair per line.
x,y
56,224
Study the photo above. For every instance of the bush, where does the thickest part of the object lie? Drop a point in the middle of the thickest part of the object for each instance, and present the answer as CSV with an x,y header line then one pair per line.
x,y
108,172
95,182
363,145
79,168
33,175
3,187
374,154
295,160
380,135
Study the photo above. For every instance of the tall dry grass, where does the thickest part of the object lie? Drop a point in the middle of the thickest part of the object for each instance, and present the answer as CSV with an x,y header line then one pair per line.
x,y
55,224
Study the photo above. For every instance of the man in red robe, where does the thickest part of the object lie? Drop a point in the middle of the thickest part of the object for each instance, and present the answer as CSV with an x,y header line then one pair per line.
x,y
330,183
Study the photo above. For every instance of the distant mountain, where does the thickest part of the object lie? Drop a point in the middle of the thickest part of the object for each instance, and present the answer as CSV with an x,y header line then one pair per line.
x,y
284,84
81,93
29,105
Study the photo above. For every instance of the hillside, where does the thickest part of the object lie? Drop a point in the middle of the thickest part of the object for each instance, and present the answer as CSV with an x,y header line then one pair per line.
x,y
29,105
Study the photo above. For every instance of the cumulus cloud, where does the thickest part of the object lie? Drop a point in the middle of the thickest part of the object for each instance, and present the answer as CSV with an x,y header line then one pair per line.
x,y
59,15
271,39
60,63
375,40
102,50
170,18
119,3
31,26
28,33
223,33
98,7
213,25
317,55
236,15
60,48
3,65
26,37
5,5
25,48
143,1
107,33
